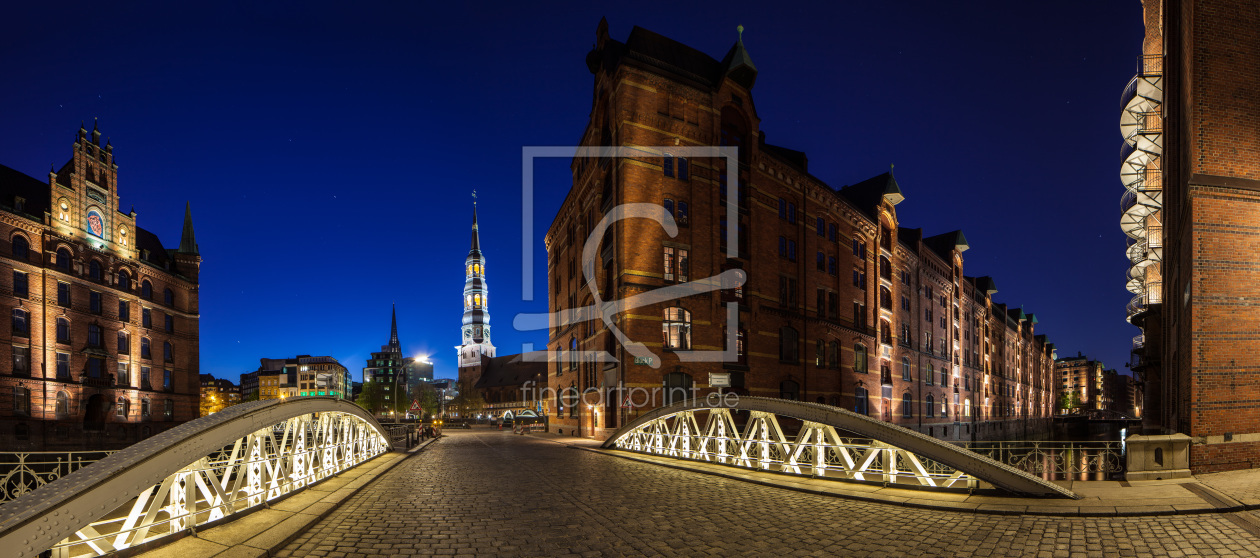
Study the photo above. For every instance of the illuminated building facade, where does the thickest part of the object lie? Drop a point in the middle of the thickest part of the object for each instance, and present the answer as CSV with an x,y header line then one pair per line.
x,y
1191,170
1082,384
102,345
842,304
388,366
217,394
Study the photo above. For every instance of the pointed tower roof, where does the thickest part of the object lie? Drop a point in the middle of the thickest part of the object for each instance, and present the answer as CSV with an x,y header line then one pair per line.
x,y
738,64
188,240
476,237
393,326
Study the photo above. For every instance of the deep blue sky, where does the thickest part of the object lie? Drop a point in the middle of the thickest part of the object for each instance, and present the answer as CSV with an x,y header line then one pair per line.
x,y
329,149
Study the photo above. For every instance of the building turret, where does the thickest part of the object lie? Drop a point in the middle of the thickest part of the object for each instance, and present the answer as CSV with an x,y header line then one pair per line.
x,y
475,329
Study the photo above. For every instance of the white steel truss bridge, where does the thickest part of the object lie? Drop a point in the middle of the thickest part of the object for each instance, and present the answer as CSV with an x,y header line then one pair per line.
x,y
200,473
874,452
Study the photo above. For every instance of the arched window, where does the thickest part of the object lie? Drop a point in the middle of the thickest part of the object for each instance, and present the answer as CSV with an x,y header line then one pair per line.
x,y
885,298
905,368
124,280
168,297
927,376
21,401
860,404
168,354
859,358
789,389
145,352
907,406
929,406
885,332
146,290
676,328
945,376
789,345
95,272
121,408
63,259
63,330
21,248
62,410
677,387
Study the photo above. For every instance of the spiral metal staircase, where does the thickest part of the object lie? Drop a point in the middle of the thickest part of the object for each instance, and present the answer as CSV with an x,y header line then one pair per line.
x,y
1141,124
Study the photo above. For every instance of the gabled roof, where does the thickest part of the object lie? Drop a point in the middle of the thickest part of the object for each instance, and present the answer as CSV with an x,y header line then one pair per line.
x,y
668,55
14,183
512,370
868,194
944,244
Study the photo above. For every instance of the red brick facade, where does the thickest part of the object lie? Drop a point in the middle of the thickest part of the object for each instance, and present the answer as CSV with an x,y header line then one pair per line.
x,y
842,305
75,272
1200,340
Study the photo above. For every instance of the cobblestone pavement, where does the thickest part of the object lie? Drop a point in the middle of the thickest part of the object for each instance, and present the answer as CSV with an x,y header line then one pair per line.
x,y
492,493
1243,485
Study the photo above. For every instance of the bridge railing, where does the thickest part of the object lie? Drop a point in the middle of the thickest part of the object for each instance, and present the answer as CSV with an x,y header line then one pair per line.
x,y
869,451
22,472
1057,460
195,475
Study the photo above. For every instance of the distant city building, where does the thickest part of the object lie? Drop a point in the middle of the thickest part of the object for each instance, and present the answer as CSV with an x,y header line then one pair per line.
x,y
388,366
249,386
300,376
1191,170
842,303
103,343
217,394
1082,381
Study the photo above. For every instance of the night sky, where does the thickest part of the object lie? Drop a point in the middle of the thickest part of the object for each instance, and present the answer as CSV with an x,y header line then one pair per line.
x,y
329,149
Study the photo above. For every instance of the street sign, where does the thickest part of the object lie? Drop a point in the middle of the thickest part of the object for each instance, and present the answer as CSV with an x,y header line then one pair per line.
x,y
415,404
719,379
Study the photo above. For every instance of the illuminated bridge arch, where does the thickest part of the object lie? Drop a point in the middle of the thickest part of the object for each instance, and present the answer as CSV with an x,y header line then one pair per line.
x,y
199,472
887,453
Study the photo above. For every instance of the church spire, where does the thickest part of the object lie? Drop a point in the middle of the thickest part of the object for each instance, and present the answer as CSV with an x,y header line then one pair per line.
x,y
476,236
188,240
393,326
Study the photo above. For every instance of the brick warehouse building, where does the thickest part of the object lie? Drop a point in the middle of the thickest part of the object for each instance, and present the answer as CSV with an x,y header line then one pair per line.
x,y
1191,168
841,304
102,344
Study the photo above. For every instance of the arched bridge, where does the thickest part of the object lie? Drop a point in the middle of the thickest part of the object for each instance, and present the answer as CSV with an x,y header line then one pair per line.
x,y
885,453
198,473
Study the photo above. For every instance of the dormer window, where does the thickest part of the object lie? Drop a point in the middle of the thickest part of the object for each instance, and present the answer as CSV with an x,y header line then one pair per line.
x,y
19,203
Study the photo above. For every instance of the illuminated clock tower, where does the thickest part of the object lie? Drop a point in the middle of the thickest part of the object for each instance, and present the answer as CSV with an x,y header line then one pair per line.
x,y
476,324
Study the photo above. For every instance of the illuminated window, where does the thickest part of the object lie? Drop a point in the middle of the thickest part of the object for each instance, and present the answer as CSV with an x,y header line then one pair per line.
x,y
859,358
21,361
676,328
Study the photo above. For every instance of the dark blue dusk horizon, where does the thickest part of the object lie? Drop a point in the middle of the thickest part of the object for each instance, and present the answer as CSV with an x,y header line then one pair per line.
x,y
329,151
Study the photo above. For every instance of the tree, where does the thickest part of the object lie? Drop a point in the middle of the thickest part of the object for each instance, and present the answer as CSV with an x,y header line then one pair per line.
x,y
1069,400
211,404
427,398
379,401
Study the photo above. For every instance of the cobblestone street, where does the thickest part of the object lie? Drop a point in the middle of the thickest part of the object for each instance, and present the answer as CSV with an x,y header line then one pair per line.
x,y
493,493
